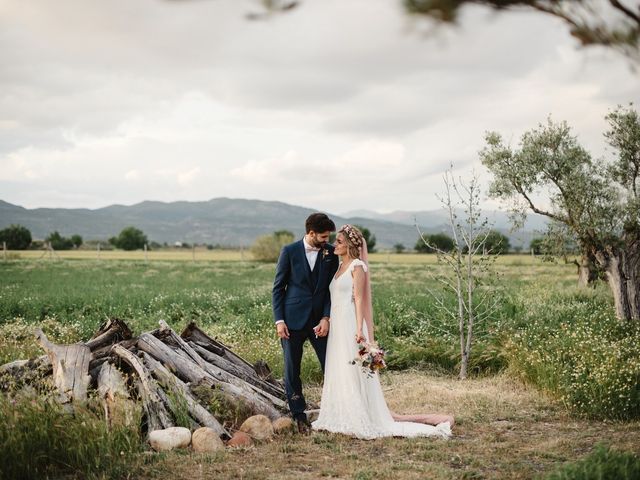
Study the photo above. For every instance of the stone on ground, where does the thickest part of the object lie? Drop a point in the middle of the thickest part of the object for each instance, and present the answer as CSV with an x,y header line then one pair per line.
x,y
169,438
240,439
206,440
258,427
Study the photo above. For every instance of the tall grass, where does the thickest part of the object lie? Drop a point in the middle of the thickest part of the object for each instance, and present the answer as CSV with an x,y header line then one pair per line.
x,y
38,439
562,339
570,344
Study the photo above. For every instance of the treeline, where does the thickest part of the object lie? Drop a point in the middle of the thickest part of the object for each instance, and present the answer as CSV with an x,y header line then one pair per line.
x,y
18,237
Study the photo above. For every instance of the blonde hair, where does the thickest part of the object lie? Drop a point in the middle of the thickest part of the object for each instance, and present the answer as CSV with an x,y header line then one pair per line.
x,y
354,239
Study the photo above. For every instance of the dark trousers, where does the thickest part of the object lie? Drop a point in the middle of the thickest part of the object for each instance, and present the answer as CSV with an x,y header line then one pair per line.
x,y
292,348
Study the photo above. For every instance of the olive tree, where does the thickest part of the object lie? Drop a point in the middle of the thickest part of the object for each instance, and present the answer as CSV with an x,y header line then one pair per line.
x,y
598,202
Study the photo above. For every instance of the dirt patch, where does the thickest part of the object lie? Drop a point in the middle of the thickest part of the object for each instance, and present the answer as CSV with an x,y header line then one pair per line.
x,y
505,430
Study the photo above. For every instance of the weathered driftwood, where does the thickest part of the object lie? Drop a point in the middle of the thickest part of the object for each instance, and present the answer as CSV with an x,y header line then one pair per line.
x,y
70,368
225,365
155,374
119,408
112,331
193,333
155,411
171,382
220,373
191,372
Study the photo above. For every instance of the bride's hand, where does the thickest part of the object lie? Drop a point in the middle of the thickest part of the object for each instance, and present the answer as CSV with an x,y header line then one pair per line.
x,y
360,337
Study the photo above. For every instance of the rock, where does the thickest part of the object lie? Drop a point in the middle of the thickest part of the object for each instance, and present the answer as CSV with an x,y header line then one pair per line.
x,y
257,427
169,438
240,439
206,440
282,424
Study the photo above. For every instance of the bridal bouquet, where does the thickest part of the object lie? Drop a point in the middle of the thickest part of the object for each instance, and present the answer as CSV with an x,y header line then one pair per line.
x,y
370,358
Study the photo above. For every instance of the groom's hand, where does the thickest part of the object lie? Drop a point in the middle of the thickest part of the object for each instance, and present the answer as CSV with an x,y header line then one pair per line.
x,y
323,327
283,331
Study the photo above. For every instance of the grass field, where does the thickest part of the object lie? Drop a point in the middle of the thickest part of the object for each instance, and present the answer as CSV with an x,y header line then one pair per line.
x,y
216,255
506,428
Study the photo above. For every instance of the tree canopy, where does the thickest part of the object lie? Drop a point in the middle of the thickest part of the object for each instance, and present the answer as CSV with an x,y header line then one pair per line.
x,y
130,238
440,241
610,23
596,201
16,236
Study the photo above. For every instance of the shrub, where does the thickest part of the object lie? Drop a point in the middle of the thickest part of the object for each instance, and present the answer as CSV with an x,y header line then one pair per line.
x,y
572,346
40,440
602,463
58,242
266,248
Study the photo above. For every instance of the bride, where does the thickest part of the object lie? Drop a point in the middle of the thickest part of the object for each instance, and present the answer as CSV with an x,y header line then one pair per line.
x,y
352,401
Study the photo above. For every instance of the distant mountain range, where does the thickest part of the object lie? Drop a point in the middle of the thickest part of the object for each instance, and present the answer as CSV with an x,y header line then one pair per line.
x,y
231,222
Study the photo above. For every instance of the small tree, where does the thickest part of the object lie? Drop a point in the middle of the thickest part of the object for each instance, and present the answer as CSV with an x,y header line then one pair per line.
x,y
468,264
76,240
435,242
130,238
267,248
16,236
536,245
497,242
58,242
398,248
369,238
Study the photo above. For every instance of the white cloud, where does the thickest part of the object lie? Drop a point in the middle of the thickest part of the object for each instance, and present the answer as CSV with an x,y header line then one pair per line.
x,y
188,100
187,178
132,175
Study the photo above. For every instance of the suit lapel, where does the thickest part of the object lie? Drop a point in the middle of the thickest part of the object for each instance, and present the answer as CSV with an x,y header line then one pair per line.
x,y
320,267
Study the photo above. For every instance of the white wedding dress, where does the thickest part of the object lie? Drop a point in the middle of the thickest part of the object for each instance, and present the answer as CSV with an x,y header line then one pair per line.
x,y
353,402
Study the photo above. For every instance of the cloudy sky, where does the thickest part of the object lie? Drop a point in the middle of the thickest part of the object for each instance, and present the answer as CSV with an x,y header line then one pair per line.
x,y
338,105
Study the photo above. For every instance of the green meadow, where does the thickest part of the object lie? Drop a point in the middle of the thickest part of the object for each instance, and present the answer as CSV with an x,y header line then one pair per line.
x,y
553,372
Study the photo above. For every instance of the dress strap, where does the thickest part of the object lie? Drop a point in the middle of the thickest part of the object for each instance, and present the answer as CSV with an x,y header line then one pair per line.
x,y
357,262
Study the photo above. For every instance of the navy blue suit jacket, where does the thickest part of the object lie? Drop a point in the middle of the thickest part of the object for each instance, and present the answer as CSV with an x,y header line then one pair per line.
x,y
295,297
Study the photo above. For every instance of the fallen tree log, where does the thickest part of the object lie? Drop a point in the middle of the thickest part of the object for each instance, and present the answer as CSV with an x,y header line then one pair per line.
x,y
156,413
170,381
192,372
161,377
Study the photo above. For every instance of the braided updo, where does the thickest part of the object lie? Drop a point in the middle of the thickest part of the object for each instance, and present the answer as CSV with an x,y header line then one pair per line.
x,y
354,239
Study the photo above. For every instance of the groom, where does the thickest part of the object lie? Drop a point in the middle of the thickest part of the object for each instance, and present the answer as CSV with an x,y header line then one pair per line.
x,y
301,304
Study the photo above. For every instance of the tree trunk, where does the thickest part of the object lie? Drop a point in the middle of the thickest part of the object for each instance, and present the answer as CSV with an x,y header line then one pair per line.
x,y
157,416
622,268
587,271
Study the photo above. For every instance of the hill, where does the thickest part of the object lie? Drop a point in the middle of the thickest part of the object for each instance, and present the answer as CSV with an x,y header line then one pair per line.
x,y
222,221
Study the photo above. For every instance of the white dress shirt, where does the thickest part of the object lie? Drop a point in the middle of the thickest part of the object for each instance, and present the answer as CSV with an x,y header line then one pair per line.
x,y
312,256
